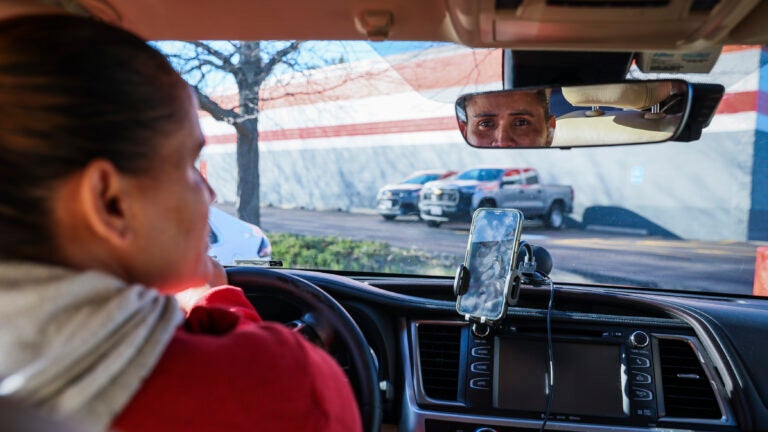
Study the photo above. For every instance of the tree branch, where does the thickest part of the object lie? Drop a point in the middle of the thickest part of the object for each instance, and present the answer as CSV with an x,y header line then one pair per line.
x,y
225,60
278,58
215,110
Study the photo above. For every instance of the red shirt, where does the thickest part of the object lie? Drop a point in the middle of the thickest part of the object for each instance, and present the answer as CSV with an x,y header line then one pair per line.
x,y
226,370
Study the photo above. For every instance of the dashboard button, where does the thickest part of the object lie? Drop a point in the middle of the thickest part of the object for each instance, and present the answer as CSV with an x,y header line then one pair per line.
x,y
481,352
641,378
481,367
480,383
641,394
650,412
638,361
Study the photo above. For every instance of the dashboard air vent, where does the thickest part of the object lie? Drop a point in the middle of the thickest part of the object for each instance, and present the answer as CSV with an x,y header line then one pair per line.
x,y
687,390
439,355
609,3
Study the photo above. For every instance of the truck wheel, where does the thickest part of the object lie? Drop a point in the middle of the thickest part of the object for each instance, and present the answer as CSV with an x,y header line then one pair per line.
x,y
433,224
388,217
555,216
486,203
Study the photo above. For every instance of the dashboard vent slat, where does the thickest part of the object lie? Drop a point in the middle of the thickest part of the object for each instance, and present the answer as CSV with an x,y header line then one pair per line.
x,y
687,390
439,356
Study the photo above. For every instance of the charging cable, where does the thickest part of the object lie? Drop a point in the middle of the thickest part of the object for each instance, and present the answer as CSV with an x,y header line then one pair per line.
x,y
549,376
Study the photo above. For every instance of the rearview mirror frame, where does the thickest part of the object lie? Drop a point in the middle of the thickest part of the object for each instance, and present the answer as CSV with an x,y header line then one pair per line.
x,y
622,113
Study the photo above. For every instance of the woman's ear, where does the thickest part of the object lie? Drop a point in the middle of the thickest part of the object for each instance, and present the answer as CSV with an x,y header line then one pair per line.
x,y
103,197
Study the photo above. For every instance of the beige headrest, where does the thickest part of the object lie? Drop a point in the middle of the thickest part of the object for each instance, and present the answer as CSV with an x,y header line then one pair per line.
x,y
642,95
614,127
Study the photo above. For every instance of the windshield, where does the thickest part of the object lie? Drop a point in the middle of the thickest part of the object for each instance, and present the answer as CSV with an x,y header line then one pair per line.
x,y
480,174
421,179
301,143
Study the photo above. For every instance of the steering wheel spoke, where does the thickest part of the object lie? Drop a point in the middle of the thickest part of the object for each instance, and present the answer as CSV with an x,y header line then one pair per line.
x,y
314,330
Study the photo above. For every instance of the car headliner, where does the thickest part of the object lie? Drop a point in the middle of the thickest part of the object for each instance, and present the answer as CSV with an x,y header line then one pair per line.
x,y
527,24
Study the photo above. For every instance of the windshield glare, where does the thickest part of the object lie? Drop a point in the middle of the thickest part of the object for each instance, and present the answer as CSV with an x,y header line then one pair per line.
x,y
338,121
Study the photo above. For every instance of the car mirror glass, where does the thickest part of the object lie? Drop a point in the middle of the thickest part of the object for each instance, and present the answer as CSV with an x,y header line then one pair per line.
x,y
593,115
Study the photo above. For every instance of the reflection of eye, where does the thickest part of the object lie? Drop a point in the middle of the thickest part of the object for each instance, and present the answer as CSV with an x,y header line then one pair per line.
x,y
520,122
486,124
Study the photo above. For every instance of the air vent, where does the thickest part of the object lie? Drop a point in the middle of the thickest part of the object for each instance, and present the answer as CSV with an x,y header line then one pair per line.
x,y
439,353
609,3
687,390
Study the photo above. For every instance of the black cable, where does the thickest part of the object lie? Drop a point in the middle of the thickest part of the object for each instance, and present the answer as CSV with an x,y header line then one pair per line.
x,y
550,374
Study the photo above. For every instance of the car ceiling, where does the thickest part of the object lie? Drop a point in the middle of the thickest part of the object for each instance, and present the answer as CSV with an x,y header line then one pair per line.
x,y
608,25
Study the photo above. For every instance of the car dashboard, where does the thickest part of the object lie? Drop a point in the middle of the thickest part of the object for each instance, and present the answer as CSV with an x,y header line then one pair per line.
x,y
623,359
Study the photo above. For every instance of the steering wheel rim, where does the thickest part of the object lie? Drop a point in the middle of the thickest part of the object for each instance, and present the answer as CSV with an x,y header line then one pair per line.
x,y
256,281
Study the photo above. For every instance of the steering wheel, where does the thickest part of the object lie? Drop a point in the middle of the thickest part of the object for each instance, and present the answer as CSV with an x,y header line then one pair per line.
x,y
325,323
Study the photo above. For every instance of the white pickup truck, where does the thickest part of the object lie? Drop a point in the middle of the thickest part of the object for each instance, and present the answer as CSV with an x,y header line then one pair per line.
x,y
497,187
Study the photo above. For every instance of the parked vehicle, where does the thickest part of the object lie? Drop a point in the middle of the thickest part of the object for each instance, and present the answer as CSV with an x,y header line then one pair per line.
x,y
495,187
234,241
402,199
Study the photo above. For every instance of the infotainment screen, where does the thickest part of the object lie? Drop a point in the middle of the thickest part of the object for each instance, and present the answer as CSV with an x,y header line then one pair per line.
x,y
587,377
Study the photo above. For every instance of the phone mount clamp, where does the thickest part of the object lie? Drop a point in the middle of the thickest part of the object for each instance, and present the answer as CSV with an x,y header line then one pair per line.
x,y
527,270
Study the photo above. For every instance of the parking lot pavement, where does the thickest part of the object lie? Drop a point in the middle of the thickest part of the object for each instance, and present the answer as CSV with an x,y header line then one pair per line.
x,y
580,256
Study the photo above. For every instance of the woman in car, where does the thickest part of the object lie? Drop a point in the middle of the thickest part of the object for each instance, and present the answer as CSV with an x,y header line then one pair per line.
x,y
103,217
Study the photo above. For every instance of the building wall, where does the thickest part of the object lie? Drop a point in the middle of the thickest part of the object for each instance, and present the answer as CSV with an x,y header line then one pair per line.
x,y
345,157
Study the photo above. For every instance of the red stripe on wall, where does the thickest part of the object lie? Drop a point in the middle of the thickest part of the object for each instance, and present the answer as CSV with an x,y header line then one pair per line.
x,y
733,103
467,67
335,131
736,48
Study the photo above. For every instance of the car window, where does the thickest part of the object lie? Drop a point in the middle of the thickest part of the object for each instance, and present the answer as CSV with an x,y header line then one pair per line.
x,y
421,179
480,175
212,237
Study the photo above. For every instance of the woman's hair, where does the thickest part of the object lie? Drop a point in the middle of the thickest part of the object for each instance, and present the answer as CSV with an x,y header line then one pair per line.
x,y
73,90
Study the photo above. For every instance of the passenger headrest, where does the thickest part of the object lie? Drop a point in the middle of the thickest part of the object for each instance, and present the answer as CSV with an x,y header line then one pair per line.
x,y
614,127
639,96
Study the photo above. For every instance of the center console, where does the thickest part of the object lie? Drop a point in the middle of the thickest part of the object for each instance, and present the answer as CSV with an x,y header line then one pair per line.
x,y
597,375
606,377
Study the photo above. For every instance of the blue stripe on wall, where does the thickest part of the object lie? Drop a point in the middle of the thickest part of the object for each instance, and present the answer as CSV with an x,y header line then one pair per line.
x,y
758,213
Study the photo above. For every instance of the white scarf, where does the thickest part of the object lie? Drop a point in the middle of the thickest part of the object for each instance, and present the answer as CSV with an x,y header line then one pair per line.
x,y
79,344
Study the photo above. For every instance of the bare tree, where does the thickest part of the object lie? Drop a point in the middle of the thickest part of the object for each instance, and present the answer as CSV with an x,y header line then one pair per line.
x,y
250,63
254,66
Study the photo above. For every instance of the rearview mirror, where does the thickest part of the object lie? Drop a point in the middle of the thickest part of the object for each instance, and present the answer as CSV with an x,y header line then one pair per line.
x,y
607,114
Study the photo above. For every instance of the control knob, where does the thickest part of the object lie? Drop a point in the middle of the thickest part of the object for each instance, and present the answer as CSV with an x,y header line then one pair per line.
x,y
639,339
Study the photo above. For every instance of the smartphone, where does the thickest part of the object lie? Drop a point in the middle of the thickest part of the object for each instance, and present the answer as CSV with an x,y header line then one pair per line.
x,y
491,257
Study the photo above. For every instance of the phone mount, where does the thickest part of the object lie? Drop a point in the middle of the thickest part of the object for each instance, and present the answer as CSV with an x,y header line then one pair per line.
x,y
531,268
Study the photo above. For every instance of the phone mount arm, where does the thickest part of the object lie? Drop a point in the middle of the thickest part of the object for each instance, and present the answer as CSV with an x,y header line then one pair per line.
x,y
535,266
